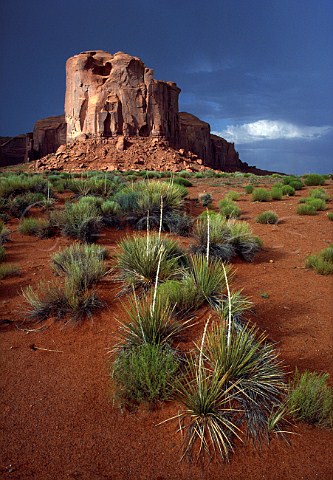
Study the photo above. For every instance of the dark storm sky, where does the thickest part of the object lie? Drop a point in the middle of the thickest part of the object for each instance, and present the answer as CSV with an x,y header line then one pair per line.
x,y
259,71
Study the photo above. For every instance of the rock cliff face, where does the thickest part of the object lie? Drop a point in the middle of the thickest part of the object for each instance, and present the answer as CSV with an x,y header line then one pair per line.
x,y
108,95
111,95
49,134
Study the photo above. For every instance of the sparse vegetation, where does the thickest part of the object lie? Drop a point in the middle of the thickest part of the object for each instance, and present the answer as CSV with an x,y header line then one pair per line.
x,y
228,208
8,269
205,199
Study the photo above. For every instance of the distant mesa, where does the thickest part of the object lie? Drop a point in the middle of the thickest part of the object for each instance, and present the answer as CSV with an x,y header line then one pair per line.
x,y
114,101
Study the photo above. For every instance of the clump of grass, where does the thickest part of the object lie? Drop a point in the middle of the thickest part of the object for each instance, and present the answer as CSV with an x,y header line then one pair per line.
x,y
205,199
310,398
268,217
8,269
84,264
79,220
181,181
249,189
53,300
179,223
294,182
306,209
330,216
246,244
321,262
181,294
261,195
317,203
288,190
228,208
314,179
38,227
141,257
145,374
20,204
233,195
276,193
319,193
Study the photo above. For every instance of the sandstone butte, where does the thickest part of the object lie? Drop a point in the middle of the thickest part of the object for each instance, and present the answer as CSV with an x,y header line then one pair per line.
x,y
117,116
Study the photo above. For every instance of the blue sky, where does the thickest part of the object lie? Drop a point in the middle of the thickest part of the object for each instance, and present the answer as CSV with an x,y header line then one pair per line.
x,y
259,71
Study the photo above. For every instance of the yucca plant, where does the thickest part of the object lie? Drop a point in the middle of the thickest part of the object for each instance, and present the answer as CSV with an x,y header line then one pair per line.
x,y
267,217
212,232
245,359
233,306
246,245
209,276
140,257
181,294
208,421
149,320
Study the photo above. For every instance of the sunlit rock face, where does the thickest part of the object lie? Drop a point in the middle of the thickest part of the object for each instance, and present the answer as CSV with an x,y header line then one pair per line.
x,y
109,95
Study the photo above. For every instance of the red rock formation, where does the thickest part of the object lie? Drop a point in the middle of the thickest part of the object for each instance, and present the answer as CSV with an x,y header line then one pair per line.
x,y
108,95
14,150
49,134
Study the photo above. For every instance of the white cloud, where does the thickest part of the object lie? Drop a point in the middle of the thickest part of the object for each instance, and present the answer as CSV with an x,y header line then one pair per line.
x,y
271,130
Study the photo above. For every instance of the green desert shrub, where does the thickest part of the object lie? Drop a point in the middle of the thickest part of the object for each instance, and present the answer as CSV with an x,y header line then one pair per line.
x,y
148,320
8,269
233,195
147,199
83,263
246,244
288,190
233,378
249,188
209,277
13,185
317,203
310,398
276,193
319,193
244,357
330,216
181,181
140,258
321,262
211,230
314,179
205,199
267,217
181,294
261,195
178,223
294,182
79,220
229,209
20,204
144,374
53,300
306,209
225,238
38,227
